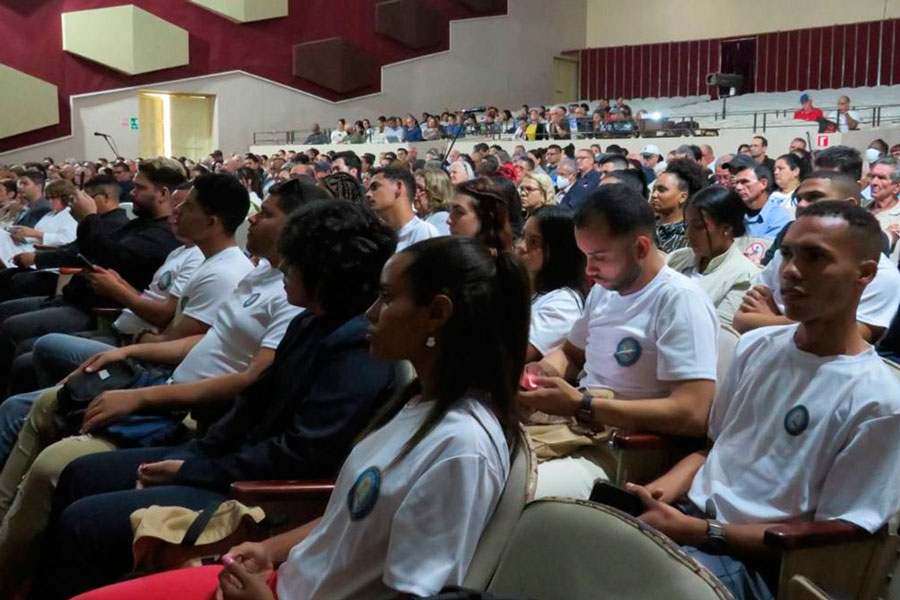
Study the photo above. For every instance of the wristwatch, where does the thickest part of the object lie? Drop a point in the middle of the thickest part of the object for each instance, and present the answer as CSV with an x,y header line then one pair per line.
x,y
715,535
585,414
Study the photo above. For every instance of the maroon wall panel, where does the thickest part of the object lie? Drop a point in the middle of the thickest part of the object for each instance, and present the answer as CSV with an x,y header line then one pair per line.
x,y
802,63
888,45
665,57
31,41
872,53
805,59
815,59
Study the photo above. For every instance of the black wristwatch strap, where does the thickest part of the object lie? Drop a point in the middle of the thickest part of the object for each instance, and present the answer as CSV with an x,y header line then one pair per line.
x,y
585,414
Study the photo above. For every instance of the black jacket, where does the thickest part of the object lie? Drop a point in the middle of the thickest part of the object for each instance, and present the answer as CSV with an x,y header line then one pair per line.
x,y
300,418
67,255
33,213
135,251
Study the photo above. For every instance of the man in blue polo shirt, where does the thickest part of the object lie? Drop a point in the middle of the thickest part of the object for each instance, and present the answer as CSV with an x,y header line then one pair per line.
x,y
763,219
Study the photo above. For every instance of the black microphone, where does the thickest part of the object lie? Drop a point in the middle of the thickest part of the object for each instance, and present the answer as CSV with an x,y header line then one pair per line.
x,y
97,133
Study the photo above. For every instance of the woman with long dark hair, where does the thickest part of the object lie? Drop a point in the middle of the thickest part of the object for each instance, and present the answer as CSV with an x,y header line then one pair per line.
x,y
789,171
414,496
556,268
714,218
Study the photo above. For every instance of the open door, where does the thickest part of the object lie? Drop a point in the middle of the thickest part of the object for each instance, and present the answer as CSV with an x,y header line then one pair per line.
x,y
565,80
739,56
176,124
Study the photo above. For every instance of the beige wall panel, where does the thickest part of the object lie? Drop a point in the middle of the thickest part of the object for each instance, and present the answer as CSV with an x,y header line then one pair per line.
x,y
612,23
125,38
26,102
244,11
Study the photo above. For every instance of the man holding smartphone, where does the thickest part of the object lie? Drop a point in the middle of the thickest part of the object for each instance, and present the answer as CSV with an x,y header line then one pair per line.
x,y
805,426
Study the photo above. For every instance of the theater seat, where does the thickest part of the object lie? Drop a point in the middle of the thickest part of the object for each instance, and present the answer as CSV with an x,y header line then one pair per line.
x,y
65,276
642,457
564,549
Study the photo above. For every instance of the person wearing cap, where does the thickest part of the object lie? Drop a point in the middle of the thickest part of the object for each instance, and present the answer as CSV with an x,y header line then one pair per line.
x,y
807,111
653,158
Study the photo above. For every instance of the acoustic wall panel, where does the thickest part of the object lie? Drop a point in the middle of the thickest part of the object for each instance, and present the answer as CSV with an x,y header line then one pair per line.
x,y
245,11
125,38
411,23
27,103
335,64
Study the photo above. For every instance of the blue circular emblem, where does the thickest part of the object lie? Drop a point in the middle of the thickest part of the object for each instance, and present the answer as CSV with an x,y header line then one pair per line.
x,y
165,281
364,493
251,300
628,351
796,420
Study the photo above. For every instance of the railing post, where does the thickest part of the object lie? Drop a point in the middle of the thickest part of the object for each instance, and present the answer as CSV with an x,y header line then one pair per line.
x,y
754,122
764,123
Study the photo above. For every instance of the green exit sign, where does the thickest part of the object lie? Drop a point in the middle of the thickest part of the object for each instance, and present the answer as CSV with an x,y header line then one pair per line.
x,y
134,124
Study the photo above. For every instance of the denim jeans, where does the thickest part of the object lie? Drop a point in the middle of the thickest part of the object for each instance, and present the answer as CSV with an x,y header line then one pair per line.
x,y
13,413
56,355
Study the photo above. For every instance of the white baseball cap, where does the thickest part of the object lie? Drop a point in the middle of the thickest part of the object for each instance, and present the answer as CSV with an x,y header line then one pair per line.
x,y
872,155
650,149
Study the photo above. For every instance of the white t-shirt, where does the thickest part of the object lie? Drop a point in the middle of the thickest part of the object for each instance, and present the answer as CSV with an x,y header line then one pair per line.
x,y
414,231
552,317
338,136
879,300
801,437
841,120
255,315
59,228
439,220
212,284
169,280
635,344
414,532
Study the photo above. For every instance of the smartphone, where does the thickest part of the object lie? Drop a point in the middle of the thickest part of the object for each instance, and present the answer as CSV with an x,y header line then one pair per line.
x,y
527,382
83,259
611,495
81,181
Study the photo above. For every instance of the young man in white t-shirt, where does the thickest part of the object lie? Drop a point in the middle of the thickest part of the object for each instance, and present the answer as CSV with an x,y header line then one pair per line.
x,y
763,305
215,368
806,425
648,333
391,193
156,305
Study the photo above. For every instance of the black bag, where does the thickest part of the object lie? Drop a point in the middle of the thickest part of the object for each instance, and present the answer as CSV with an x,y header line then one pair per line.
x,y
452,592
134,430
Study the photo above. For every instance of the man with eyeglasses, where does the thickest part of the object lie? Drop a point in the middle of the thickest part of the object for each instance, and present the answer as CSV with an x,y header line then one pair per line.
x,y
587,182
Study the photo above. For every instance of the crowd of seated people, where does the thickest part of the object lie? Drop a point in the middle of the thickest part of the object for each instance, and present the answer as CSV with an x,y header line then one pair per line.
x,y
572,291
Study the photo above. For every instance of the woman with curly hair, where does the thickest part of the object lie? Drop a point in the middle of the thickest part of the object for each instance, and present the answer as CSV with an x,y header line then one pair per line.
x,y
479,210
682,179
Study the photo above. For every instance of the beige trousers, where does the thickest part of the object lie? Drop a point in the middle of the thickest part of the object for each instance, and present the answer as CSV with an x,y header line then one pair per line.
x,y
27,484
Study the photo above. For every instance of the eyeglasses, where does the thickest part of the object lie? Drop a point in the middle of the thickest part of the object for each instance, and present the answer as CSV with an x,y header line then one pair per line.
x,y
527,189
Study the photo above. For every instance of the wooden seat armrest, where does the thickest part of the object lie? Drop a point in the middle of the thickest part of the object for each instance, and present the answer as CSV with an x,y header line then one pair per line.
x,y
70,270
792,536
636,441
625,440
249,492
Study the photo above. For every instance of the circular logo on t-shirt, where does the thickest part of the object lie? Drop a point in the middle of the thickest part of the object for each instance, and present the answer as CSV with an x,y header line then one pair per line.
x,y
796,420
165,280
364,493
755,252
628,351
251,300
